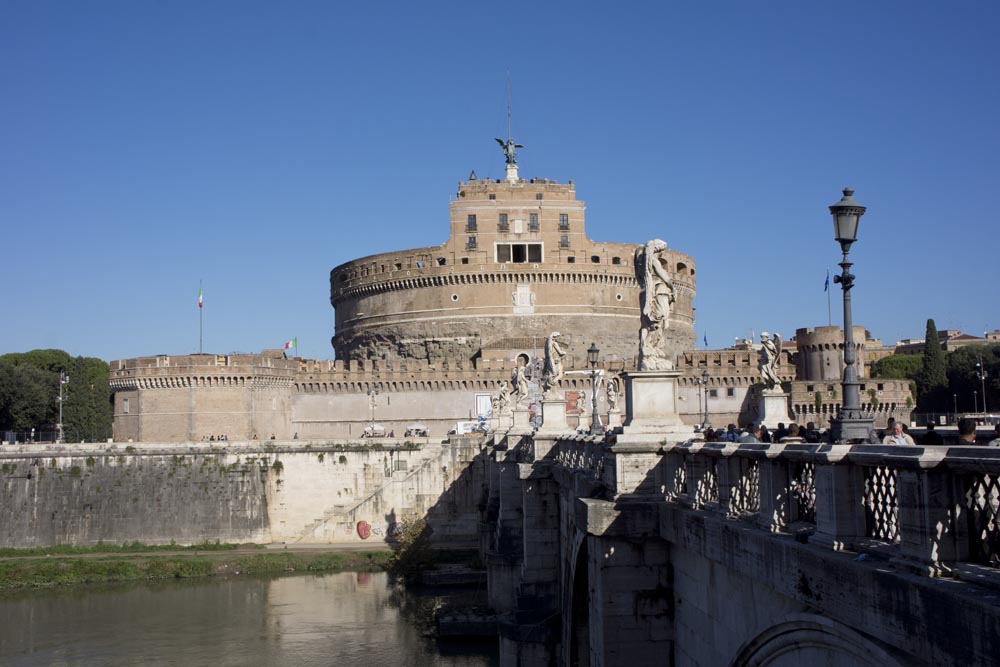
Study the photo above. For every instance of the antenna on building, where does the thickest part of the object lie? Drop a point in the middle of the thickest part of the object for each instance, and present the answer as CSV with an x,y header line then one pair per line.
x,y
509,147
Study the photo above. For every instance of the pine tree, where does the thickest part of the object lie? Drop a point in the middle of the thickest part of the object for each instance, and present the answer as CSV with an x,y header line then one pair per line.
x,y
932,381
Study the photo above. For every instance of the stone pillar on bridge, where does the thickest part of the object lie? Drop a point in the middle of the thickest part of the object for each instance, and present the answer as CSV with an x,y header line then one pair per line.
x,y
554,416
651,407
628,585
840,490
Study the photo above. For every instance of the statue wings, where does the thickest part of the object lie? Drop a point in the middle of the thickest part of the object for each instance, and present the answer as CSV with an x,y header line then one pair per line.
x,y
777,349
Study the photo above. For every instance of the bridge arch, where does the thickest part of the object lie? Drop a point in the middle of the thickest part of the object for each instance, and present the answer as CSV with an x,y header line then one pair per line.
x,y
810,639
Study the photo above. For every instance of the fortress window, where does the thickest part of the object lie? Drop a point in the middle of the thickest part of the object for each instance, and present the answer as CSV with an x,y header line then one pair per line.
x,y
563,221
492,196
518,253
564,241
420,265
810,387
503,225
125,406
616,260
730,392
471,225
533,222
399,266
596,259
571,260
713,393
465,260
538,195
440,261
618,297
472,243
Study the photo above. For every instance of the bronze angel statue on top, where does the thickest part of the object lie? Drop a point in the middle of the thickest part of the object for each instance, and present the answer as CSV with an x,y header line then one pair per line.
x,y
509,150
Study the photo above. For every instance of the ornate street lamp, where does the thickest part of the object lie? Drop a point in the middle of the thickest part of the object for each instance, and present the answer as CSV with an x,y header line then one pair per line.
x,y
851,424
593,354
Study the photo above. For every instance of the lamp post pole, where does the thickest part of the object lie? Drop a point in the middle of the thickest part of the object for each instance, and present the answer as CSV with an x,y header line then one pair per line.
x,y
593,354
851,424
63,381
704,381
372,394
982,375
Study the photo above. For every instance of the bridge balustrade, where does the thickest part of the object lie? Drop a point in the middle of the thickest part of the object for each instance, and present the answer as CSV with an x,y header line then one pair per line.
x,y
934,511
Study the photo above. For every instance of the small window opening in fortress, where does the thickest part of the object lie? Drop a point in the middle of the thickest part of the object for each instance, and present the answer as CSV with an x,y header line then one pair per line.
x,y
616,260
571,260
440,261
472,243
538,195
399,266
810,387
596,259
713,393
470,225
420,264
880,386
730,392
465,260
564,241
454,297
492,197
503,224
618,297
125,407
533,222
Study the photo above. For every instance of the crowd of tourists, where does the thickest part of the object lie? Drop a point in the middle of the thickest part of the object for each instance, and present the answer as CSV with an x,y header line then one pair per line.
x,y
895,433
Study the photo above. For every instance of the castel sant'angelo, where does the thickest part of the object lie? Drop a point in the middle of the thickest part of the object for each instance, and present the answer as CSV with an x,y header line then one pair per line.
x,y
427,335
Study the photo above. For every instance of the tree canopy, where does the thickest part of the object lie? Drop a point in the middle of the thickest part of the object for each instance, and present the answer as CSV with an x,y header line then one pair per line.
x,y
932,380
898,366
29,389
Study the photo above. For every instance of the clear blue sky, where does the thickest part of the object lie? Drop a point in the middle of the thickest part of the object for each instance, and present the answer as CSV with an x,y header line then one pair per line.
x,y
256,145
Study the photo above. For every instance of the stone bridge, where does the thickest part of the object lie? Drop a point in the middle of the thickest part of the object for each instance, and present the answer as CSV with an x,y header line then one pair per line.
x,y
629,550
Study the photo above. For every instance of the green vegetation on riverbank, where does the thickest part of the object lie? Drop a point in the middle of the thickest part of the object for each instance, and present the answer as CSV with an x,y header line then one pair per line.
x,y
31,572
128,548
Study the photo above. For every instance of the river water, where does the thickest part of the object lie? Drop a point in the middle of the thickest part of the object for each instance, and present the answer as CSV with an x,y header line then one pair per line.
x,y
347,619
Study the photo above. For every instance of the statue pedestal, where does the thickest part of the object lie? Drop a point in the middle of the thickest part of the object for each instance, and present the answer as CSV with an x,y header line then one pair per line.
x,y
522,420
773,408
554,416
512,172
614,419
651,407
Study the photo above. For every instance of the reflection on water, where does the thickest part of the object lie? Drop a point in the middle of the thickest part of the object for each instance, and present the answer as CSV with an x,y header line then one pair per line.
x,y
336,619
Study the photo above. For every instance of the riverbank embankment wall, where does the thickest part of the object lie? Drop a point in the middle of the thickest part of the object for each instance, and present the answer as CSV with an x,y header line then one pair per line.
x,y
294,492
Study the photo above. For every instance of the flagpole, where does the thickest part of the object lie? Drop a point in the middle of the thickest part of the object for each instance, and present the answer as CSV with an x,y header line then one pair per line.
x,y
201,320
829,318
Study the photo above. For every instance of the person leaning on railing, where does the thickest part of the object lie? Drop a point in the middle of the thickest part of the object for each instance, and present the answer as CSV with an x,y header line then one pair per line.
x,y
966,431
995,442
898,436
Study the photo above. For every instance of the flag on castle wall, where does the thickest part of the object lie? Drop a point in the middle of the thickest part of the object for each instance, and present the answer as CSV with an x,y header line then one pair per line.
x,y
827,285
706,340
201,298
292,343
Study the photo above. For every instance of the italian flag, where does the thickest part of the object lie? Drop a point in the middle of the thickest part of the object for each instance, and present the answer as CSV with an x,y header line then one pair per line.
x,y
201,298
292,343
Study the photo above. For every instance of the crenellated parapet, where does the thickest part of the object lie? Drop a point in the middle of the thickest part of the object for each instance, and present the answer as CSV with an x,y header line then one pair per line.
x,y
202,371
